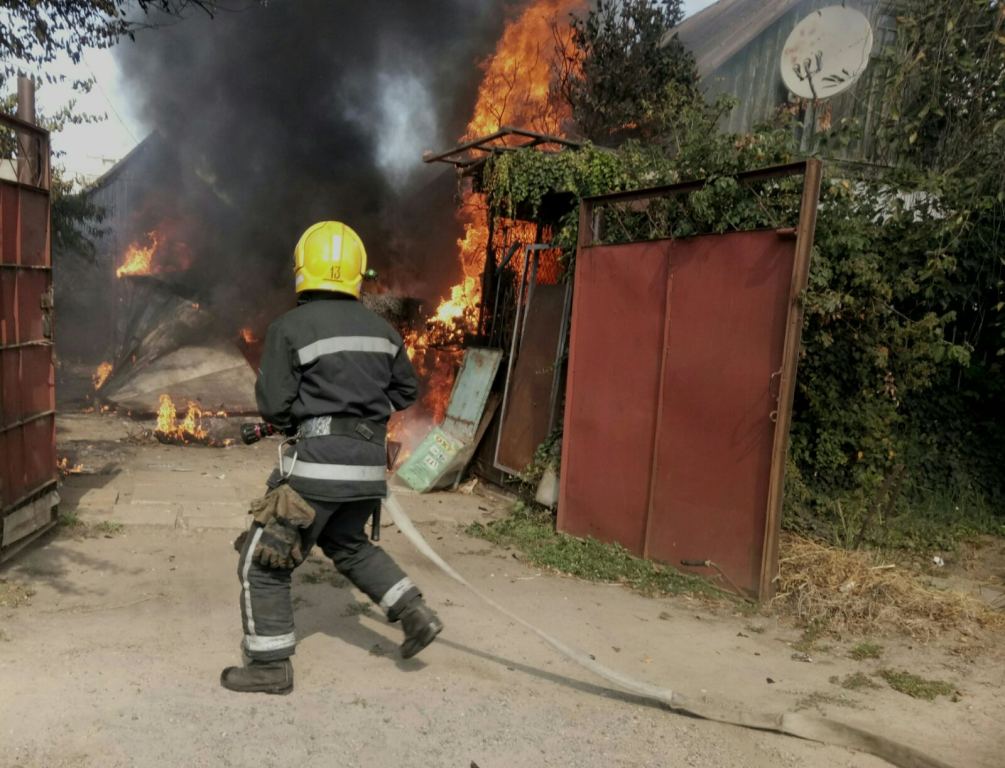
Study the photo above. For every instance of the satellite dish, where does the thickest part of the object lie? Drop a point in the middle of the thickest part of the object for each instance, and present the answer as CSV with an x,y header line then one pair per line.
x,y
827,52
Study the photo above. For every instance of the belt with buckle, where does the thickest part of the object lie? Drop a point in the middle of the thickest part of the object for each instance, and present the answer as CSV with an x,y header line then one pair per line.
x,y
344,426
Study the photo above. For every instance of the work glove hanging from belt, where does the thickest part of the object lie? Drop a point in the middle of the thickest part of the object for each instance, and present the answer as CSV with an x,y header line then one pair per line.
x,y
283,515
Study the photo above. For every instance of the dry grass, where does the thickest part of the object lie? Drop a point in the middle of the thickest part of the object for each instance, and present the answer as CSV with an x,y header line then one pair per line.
x,y
854,591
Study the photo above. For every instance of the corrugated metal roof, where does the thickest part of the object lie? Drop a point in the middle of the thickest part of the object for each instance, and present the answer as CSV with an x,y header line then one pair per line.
x,y
722,30
112,173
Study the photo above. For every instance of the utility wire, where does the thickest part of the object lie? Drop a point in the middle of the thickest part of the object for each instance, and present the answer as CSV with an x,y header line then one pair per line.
x,y
111,106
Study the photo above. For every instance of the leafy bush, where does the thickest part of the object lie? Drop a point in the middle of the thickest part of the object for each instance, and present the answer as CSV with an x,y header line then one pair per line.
x,y
881,440
896,438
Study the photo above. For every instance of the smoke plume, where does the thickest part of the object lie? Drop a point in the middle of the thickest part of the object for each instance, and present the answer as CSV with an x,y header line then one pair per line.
x,y
276,116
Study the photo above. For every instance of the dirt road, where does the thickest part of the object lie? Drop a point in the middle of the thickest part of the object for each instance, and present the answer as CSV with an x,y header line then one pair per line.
x,y
115,659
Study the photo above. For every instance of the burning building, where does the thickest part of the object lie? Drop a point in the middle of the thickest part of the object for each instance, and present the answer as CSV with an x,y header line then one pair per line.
x,y
199,220
151,332
515,90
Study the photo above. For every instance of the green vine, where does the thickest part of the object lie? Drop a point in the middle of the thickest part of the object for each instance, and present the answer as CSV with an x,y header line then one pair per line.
x,y
877,352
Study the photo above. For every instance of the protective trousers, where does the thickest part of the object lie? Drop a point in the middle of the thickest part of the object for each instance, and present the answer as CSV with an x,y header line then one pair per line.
x,y
340,530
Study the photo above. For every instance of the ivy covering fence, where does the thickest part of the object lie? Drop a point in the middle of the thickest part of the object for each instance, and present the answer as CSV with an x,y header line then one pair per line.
x,y
897,436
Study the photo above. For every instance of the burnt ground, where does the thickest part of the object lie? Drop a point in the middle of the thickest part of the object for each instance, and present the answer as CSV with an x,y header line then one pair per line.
x,y
113,639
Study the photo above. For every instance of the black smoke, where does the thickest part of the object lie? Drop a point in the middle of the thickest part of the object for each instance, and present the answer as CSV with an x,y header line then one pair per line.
x,y
275,116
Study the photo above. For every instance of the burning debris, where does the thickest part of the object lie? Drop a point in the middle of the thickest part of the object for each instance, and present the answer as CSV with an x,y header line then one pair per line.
x,y
189,324
101,374
139,259
400,311
515,90
166,341
66,469
160,256
189,430
239,190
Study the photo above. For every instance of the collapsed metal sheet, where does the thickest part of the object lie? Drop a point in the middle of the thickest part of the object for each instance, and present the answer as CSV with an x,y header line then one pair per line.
x,y
471,391
214,374
171,345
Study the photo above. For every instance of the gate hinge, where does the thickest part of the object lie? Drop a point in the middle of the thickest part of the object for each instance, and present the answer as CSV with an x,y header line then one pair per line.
x,y
47,301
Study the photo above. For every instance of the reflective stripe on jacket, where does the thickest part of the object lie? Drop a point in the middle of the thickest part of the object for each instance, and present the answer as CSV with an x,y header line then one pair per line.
x,y
332,356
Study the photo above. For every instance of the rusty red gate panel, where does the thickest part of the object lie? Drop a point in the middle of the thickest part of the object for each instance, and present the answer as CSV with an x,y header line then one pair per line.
x,y
676,346
528,409
28,471
612,392
682,366
728,304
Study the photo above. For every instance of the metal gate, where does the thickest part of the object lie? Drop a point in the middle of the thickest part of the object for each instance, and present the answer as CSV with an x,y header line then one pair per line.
x,y
533,378
28,472
681,377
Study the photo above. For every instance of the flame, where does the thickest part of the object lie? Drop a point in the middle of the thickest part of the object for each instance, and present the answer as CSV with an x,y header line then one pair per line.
x,y
189,430
63,465
249,336
101,374
166,415
515,90
139,259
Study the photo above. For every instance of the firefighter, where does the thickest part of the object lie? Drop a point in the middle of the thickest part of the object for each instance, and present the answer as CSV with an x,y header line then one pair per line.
x,y
333,372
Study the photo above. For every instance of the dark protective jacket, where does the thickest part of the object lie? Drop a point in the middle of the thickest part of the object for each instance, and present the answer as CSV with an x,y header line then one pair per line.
x,y
331,356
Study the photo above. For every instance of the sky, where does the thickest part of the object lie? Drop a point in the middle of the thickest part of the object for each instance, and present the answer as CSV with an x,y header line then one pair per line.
x,y
91,149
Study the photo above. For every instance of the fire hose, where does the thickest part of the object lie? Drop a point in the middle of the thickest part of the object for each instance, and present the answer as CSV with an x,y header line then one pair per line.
x,y
798,724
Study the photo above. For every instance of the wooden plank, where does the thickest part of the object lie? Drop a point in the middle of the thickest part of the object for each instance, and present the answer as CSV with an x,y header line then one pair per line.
x,y
28,519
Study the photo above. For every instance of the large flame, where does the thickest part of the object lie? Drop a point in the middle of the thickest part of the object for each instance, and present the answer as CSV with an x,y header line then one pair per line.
x,y
189,430
515,90
139,259
101,374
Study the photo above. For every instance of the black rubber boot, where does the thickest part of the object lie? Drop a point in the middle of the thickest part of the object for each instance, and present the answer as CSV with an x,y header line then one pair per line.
x,y
260,677
421,626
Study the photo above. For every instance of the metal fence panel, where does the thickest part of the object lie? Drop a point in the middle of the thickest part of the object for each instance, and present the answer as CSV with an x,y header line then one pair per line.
x,y
682,366
28,473
472,386
437,456
531,392
612,394
723,351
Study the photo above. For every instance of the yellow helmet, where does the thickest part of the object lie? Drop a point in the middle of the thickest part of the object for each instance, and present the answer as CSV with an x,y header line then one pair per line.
x,y
329,257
